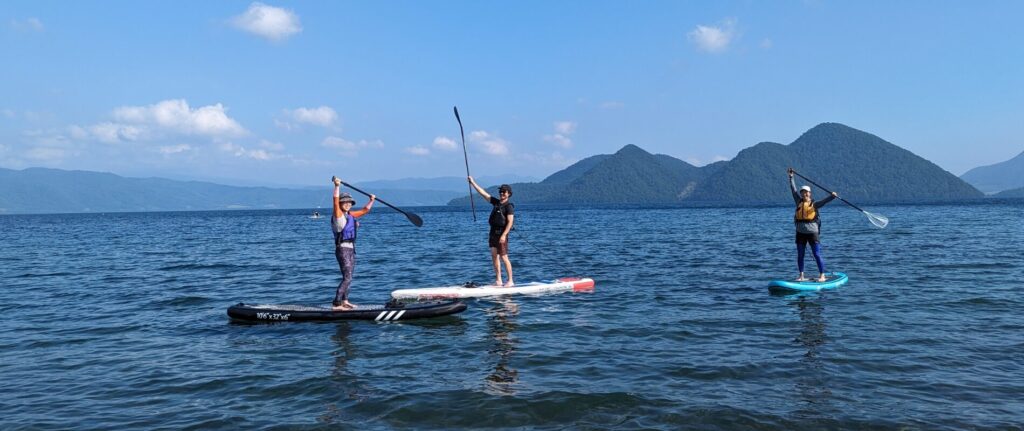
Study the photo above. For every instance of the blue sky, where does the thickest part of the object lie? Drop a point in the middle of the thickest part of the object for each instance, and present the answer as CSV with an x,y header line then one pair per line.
x,y
291,93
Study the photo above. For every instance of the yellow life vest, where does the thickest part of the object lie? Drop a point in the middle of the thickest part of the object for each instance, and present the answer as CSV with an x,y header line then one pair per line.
x,y
805,212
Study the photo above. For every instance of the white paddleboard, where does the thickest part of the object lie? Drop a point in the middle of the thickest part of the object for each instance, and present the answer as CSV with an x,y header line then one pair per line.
x,y
568,284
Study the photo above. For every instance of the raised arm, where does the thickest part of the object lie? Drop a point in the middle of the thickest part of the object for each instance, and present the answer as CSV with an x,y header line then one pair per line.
x,y
337,194
479,189
792,186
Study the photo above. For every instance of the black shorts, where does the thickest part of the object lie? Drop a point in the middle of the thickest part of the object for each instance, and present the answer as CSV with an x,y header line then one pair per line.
x,y
804,238
494,241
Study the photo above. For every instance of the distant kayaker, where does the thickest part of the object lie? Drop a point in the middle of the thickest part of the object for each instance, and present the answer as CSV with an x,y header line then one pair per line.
x,y
344,226
808,226
502,216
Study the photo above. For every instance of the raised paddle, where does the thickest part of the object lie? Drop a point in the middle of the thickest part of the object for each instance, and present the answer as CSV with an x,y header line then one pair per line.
x,y
878,220
415,219
465,157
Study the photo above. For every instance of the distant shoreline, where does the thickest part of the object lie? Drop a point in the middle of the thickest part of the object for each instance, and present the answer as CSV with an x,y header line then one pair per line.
x,y
548,206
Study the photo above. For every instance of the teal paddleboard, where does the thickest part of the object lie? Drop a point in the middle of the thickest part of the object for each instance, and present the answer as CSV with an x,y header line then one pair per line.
x,y
832,279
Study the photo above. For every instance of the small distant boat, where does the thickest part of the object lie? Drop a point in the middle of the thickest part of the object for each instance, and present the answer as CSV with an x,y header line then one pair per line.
x,y
316,214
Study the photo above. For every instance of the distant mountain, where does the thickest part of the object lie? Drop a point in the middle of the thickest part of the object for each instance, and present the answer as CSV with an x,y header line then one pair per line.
x,y
454,184
1000,176
41,190
858,165
1012,193
630,175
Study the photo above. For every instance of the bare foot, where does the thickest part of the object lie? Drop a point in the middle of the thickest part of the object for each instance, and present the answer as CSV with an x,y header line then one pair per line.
x,y
349,305
498,283
821,278
801,278
341,307
509,284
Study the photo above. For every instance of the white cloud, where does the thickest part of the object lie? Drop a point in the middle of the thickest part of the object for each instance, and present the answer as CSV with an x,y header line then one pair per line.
x,y
269,22
322,116
559,140
767,44
561,136
28,25
174,149
418,150
240,151
611,104
8,113
445,143
273,146
176,116
491,144
698,162
349,147
714,39
111,132
565,127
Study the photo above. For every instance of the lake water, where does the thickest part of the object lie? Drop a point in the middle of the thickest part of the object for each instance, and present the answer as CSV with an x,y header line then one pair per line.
x,y
117,321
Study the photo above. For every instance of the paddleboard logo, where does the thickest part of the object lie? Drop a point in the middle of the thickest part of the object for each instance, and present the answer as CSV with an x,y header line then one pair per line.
x,y
273,316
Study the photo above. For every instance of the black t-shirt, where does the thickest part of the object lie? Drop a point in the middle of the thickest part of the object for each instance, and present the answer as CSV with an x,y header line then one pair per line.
x,y
500,213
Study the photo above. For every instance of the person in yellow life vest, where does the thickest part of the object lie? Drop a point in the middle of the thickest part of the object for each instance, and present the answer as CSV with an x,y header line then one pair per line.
x,y
808,226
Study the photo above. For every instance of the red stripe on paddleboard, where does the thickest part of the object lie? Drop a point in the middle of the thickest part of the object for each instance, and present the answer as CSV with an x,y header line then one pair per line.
x,y
583,285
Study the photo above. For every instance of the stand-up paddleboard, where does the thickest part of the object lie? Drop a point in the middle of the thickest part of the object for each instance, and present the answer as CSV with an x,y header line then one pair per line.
x,y
469,290
322,312
832,279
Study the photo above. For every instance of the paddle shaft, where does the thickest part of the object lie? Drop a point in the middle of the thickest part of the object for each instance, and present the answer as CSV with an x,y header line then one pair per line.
x,y
465,156
827,190
408,215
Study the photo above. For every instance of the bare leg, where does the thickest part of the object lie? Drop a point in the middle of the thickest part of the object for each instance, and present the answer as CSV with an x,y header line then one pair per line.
x,y
497,266
508,270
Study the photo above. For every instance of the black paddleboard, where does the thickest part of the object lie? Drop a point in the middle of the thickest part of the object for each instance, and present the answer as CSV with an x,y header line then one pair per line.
x,y
389,312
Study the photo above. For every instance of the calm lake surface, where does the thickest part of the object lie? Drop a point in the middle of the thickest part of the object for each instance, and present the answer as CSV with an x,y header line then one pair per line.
x,y
117,321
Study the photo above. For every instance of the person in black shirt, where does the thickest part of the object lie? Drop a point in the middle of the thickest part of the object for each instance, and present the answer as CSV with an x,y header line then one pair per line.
x,y
500,220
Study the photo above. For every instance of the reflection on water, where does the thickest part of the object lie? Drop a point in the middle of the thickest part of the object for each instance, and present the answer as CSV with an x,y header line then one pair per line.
x,y
812,385
345,383
500,325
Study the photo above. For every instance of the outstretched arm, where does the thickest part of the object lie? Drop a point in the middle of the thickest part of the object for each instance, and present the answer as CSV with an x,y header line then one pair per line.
x,y
828,199
366,208
479,189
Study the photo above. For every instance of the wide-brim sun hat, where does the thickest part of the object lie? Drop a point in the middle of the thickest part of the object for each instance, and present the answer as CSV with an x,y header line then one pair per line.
x,y
807,188
345,197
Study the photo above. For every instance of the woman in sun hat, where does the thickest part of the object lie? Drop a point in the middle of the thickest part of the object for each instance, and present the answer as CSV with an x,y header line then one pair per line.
x,y
344,226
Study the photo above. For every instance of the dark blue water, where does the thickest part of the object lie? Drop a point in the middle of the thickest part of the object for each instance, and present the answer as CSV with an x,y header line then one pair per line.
x,y
117,321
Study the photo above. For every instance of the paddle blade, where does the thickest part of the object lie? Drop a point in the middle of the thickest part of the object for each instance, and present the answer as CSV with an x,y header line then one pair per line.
x,y
415,219
879,221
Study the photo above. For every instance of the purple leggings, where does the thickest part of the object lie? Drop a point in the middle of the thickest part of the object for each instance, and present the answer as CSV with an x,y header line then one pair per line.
x,y
347,263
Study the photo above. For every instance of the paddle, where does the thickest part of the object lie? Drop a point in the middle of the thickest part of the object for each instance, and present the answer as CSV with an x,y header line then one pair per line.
x,y
415,219
465,156
878,220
